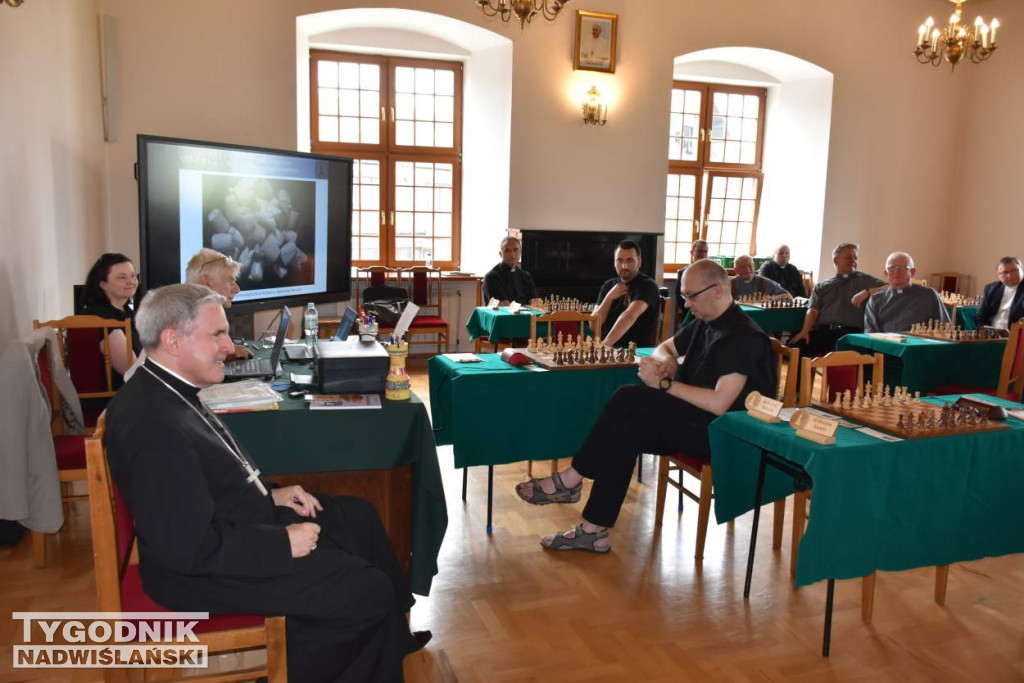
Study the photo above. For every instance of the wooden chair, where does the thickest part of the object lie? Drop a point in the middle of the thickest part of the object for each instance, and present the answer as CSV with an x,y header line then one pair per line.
x,y
1011,373
808,278
78,344
424,287
566,322
374,276
700,468
665,327
789,361
119,586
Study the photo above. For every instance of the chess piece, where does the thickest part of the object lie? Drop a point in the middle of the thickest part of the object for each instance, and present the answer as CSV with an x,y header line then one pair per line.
x,y
899,424
838,403
846,400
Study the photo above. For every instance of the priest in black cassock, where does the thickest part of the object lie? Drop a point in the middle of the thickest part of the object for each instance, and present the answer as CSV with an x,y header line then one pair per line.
x,y
507,282
213,536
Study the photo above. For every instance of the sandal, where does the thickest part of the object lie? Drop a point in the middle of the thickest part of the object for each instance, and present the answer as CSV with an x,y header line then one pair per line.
x,y
562,494
580,541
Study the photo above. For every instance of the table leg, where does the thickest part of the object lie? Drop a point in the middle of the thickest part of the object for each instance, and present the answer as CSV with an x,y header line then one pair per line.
x,y
465,476
753,530
490,497
827,639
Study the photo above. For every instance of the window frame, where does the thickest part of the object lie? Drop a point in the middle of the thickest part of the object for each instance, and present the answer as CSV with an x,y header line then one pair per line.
x,y
704,170
389,153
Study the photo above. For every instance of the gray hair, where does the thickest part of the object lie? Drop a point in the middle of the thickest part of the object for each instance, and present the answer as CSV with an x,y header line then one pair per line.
x,y
898,254
742,257
206,261
1006,260
172,307
698,243
510,238
843,247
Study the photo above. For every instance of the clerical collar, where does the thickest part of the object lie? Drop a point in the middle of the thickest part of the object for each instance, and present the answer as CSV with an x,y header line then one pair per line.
x,y
189,388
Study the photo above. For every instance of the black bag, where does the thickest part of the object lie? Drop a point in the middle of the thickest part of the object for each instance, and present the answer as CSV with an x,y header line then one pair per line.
x,y
386,311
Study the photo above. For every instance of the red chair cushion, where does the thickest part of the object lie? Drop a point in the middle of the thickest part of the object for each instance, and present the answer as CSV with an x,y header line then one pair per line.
x,y
134,599
70,452
85,361
420,288
694,461
428,321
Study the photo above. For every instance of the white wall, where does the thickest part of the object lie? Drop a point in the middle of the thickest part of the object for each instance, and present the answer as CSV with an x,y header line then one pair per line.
x,y
52,161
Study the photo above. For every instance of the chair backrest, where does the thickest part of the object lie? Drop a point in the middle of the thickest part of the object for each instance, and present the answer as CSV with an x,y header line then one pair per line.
x,y
789,360
841,370
560,321
79,339
1011,374
922,282
808,278
374,276
113,529
665,326
424,287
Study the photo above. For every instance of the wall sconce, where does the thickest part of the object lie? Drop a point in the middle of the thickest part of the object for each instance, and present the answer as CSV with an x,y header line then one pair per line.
x,y
594,113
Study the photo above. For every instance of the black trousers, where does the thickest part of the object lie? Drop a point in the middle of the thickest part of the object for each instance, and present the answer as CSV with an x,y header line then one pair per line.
x,y
344,604
822,339
636,419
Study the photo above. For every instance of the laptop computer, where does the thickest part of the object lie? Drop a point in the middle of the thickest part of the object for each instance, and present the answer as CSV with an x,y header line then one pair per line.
x,y
251,368
303,352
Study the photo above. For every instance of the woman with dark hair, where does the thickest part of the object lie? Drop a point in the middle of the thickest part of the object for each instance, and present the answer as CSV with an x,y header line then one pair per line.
x,y
109,287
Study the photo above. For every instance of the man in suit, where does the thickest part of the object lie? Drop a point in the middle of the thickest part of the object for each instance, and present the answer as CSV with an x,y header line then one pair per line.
x,y
1003,301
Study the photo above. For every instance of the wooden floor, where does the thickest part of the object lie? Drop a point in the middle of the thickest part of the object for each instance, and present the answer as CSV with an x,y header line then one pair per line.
x,y
504,610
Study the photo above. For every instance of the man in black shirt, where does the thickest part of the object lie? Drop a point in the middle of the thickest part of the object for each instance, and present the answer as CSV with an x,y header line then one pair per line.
x,y
725,357
627,305
506,281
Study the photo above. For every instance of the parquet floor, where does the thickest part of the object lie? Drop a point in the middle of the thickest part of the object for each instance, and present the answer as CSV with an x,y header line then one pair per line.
x,y
503,610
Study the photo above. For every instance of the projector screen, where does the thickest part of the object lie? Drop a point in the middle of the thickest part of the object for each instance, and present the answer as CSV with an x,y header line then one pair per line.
x,y
284,216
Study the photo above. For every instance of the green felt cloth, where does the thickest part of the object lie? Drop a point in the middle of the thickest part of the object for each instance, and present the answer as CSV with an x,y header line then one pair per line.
x,y
924,364
494,413
772,320
500,324
879,505
964,316
295,439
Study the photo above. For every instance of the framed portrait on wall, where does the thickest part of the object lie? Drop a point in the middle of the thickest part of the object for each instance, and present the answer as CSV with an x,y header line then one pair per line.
x,y
594,49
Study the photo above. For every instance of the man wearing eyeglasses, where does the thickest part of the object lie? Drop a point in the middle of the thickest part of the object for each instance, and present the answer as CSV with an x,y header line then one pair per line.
x,y
902,303
836,307
725,357
1003,301
220,273
628,304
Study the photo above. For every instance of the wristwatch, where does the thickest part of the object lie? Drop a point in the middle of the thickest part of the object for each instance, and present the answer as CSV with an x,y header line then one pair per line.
x,y
665,384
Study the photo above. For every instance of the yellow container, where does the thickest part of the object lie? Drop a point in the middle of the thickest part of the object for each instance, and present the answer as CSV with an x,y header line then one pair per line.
x,y
397,386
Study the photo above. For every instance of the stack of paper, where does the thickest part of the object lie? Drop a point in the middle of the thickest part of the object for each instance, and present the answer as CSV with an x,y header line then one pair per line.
x,y
250,394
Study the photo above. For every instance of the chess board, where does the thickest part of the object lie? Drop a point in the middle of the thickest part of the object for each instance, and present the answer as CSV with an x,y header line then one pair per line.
x,y
887,418
774,305
947,336
546,360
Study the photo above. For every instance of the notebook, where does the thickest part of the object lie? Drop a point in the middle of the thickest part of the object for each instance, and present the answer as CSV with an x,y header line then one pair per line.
x,y
261,367
303,352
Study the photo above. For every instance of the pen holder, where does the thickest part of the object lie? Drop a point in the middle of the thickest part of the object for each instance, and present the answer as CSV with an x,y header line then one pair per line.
x,y
368,332
397,386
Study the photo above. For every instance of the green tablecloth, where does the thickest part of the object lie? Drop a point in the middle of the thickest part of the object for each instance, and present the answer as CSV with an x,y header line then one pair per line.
x,y
880,505
295,439
964,316
923,364
771,320
494,413
499,324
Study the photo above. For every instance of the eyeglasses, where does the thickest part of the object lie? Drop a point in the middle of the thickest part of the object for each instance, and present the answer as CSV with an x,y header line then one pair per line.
x,y
691,297
224,257
896,269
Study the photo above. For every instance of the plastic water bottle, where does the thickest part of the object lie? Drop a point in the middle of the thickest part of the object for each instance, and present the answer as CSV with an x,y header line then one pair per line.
x,y
428,256
311,324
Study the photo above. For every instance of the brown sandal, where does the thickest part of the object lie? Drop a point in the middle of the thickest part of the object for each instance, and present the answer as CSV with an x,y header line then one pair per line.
x,y
581,540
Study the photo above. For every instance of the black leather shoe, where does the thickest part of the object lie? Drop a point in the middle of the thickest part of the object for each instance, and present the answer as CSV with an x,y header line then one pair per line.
x,y
420,640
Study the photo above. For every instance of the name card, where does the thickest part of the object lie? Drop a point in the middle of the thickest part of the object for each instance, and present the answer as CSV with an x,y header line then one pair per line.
x,y
515,307
763,408
813,427
493,304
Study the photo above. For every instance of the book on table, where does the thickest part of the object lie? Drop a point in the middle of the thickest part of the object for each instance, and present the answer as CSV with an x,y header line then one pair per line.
x,y
343,401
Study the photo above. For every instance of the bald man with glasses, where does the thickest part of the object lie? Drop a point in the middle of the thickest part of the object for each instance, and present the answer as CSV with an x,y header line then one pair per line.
x,y
902,303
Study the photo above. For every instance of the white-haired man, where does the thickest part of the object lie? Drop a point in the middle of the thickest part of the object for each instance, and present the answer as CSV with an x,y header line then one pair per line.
x,y
746,283
902,303
214,536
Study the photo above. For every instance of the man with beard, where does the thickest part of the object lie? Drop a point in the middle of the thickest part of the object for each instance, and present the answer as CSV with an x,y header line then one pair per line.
x,y
627,305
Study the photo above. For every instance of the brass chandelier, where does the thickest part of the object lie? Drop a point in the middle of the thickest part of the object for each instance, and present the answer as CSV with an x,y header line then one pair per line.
x,y
523,10
955,41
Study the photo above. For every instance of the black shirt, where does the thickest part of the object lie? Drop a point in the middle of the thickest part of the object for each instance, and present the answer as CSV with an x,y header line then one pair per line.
x,y
788,276
505,284
106,310
731,343
644,331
